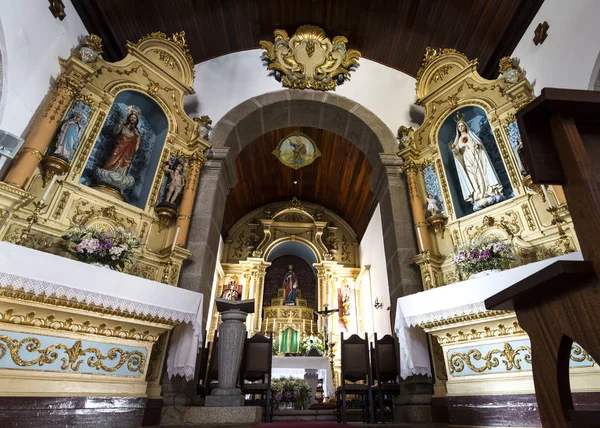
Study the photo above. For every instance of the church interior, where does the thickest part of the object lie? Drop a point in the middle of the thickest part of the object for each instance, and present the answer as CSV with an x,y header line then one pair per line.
x,y
327,212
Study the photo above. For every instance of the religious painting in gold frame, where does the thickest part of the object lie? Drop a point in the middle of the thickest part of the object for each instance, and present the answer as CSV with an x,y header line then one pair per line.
x,y
296,150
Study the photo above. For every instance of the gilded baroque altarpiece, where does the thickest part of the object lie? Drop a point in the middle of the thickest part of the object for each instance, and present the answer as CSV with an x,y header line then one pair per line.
x,y
480,353
148,185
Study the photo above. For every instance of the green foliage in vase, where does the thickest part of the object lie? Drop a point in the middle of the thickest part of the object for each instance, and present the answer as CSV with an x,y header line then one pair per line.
x,y
291,390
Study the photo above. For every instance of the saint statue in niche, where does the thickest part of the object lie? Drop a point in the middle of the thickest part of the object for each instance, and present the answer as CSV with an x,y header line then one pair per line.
x,y
232,292
176,183
479,181
291,285
115,171
432,205
345,304
68,137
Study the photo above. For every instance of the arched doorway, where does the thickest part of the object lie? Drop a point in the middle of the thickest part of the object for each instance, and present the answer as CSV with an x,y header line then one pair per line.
x,y
276,110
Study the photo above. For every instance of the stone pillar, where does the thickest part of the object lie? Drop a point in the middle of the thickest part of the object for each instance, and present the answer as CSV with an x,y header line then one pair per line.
x,y
312,377
392,189
196,161
411,169
232,334
39,138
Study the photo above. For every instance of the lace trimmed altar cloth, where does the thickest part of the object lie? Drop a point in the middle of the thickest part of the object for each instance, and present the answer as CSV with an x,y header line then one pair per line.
x,y
50,275
296,367
449,301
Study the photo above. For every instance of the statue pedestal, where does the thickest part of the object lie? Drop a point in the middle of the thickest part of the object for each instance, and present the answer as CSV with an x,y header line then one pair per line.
x,y
232,334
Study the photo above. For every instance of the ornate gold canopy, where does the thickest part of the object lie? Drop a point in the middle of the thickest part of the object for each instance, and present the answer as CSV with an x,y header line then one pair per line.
x,y
309,59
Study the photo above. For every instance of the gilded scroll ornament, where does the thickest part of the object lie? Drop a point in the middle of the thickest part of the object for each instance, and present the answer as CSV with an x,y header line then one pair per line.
x,y
19,294
51,322
431,54
95,215
134,360
178,39
405,137
508,222
309,59
511,358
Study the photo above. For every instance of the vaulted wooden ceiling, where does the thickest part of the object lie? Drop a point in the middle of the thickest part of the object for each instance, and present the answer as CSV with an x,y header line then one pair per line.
x,y
338,179
392,32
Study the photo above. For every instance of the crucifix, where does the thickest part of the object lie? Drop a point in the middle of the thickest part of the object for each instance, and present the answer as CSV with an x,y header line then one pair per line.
x,y
324,314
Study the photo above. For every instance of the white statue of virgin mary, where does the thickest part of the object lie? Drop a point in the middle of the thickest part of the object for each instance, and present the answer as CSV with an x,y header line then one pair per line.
x,y
479,182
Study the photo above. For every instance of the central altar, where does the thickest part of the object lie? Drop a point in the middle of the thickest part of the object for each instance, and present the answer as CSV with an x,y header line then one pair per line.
x,y
288,317
304,367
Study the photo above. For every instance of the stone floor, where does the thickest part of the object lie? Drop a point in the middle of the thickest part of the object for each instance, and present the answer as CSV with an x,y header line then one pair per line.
x,y
358,425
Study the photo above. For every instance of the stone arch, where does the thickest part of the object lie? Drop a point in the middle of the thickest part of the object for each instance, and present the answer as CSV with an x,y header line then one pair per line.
x,y
259,115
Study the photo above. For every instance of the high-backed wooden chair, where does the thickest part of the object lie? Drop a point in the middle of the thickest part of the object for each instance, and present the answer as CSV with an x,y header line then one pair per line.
x,y
559,304
355,368
384,366
255,374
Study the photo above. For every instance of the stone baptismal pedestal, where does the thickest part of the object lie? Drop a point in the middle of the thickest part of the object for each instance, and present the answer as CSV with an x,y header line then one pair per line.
x,y
232,334
225,404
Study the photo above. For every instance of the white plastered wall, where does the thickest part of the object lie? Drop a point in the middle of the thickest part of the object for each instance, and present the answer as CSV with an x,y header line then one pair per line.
x,y
32,42
224,82
375,281
567,58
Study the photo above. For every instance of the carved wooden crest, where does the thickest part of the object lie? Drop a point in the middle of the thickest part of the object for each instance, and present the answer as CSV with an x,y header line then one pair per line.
x,y
309,59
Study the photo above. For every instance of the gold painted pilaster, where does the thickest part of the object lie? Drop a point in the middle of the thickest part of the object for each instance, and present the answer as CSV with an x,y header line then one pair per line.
x,y
39,138
410,168
196,161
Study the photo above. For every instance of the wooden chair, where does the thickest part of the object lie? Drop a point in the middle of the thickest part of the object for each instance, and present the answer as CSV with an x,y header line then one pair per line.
x,y
201,389
384,366
257,362
355,368
559,304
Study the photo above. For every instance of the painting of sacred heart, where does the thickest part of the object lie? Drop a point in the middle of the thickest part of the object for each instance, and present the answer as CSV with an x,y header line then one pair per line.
x,y
296,150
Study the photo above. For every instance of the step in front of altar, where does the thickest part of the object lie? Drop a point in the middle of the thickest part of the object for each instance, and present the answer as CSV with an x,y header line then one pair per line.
x,y
325,415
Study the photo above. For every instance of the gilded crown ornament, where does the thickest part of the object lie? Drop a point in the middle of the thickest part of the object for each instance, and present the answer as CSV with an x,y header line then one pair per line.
x,y
309,59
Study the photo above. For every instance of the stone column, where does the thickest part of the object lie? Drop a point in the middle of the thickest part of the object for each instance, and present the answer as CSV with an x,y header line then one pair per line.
x,y
411,169
232,334
392,189
196,161
39,138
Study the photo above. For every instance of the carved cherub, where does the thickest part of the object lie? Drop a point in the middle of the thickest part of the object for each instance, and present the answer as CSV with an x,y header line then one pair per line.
x,y
176,183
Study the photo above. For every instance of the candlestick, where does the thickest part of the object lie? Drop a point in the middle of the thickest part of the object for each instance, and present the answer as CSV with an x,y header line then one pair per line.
x,y
266,324
303,326
175,239
311,326
273,325
546,196
48,189
420,238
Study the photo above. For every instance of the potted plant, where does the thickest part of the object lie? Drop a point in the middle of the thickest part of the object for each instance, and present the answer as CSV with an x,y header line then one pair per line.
x,y
482,257
95,246
312,343
290,393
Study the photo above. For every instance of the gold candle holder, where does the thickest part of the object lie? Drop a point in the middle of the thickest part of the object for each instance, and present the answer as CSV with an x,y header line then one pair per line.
x,y
31,220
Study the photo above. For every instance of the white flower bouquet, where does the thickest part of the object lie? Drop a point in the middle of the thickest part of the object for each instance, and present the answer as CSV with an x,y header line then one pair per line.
x,y
94,246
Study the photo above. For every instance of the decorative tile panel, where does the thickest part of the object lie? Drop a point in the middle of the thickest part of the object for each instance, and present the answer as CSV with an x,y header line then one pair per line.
x,y
503,358
432,186
26,351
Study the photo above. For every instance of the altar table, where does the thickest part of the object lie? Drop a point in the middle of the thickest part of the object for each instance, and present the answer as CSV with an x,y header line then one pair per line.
x,y
447,302
296,367
101,290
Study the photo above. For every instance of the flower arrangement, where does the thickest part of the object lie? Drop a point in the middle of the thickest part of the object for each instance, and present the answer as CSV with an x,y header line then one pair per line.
x,y
311,342
483,254
92,245
288,390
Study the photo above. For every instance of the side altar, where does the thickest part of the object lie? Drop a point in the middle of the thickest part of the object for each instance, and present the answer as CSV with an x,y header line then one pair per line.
x,y
470,189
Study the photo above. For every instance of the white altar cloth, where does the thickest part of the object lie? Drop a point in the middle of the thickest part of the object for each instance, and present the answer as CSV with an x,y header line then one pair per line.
x,y
48,274
449,301
296,367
